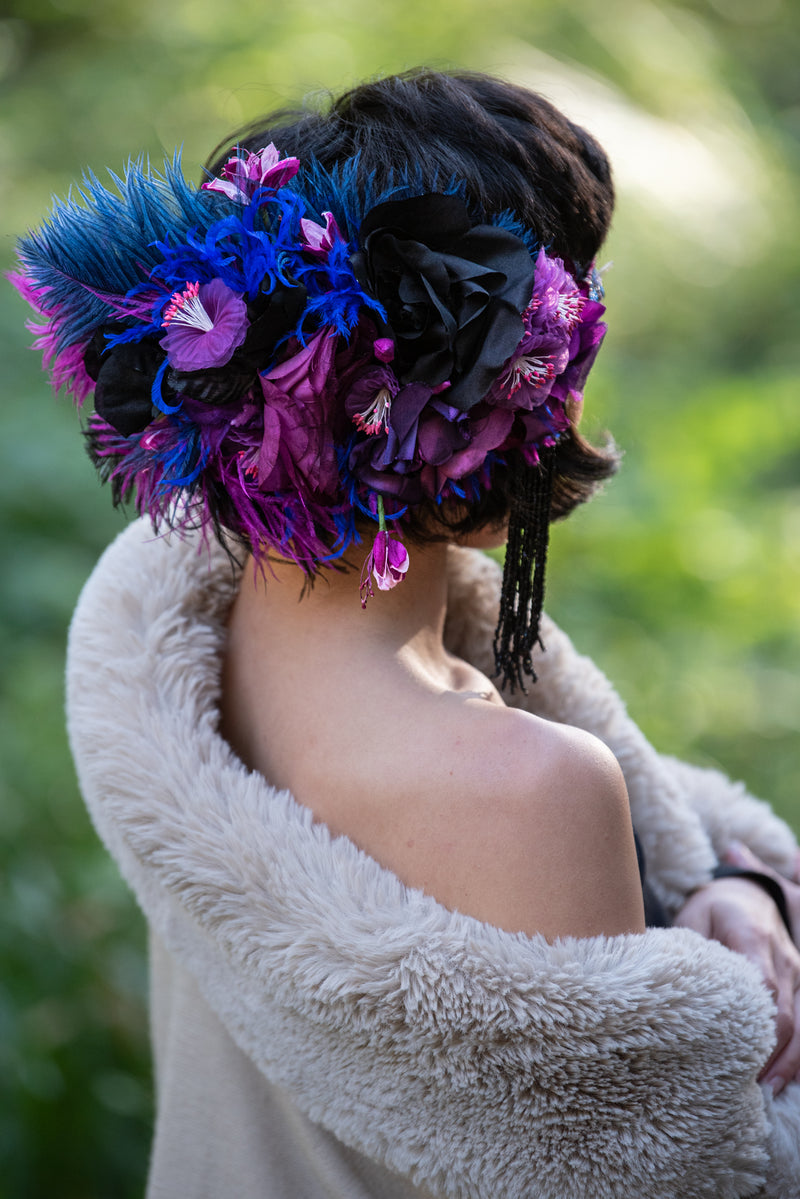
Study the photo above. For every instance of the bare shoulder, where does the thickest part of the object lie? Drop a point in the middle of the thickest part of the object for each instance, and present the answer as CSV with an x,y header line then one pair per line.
x,y
521,823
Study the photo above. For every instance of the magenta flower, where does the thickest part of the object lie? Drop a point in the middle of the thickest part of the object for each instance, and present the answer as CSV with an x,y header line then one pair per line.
x,y
369,400
205,323
543,352
556,295
543,381
585,341
316,239
242,177
297,448
388,563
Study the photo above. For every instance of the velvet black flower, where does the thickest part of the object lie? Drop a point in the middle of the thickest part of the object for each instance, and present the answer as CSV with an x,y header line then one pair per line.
x,y
124,381
453,291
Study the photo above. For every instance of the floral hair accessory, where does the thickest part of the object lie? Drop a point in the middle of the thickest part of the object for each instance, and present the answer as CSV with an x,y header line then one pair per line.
x,y
387,561
286,355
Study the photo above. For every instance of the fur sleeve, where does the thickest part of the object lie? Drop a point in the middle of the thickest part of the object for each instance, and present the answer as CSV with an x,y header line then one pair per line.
x,y
728,812
481,1064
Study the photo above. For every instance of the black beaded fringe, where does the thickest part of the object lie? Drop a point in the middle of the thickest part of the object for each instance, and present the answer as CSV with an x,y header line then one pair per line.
x,y
522,595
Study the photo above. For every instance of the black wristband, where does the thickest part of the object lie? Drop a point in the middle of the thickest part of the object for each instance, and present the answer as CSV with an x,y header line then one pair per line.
x,y
768,884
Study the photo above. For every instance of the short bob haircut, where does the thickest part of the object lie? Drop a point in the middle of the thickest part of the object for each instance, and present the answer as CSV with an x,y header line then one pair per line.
x,y
512,150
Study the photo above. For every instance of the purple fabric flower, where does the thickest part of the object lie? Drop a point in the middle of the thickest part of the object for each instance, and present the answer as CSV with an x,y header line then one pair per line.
x,y
489,429
387,561
528,377
543,353
389,461
369,399
557,297
242,177
205,323
427,443
585,341
297,447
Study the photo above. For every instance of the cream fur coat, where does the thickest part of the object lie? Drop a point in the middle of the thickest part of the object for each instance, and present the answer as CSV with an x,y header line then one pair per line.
x,y
320,1030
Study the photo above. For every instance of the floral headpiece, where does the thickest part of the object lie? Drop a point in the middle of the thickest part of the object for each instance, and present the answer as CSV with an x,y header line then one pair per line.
x,y
280,355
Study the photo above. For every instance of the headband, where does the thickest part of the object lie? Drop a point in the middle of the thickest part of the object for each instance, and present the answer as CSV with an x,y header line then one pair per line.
x,y
286,355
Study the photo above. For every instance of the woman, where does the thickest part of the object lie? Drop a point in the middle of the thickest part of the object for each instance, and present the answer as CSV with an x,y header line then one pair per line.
x,y
382,899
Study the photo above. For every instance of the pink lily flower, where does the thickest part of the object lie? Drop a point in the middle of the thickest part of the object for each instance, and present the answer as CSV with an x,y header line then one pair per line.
x,y
242,177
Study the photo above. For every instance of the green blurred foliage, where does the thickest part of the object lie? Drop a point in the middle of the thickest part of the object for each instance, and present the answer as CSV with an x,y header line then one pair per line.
x,y
682,580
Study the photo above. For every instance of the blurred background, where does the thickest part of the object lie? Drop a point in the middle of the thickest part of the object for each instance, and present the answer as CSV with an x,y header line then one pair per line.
x,y
682,580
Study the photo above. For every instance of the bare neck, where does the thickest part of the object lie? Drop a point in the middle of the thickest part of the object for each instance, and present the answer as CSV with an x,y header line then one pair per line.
x,y
329,623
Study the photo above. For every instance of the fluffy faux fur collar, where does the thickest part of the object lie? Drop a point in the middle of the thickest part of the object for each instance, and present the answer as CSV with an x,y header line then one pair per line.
x,y
476,1062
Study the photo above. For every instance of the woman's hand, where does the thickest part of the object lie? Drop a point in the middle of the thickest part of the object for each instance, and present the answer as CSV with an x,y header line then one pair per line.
x,y
741,915
739,855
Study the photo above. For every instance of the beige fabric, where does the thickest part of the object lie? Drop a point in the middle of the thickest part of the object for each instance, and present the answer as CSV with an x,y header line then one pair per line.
x,y
222,1130
463,1059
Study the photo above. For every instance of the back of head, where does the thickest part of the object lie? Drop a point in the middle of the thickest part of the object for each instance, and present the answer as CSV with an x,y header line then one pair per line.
x,y
381,312
512,150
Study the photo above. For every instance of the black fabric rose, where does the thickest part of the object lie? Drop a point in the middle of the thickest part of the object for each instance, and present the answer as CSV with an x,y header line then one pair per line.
x,y
124,378
453,291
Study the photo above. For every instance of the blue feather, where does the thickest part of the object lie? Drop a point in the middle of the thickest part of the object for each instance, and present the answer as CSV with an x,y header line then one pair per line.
x,y
342,191
512,224
155,392
340,309
107,243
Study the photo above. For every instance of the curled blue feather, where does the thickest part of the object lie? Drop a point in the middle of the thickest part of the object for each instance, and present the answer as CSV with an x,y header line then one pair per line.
x,y
156,396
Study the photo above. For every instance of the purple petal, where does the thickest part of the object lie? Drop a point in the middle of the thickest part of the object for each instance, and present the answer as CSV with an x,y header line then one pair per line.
x,y
316,239
193,347
227,187
270,445
380,553
398,556
281,173
488,433
305,373
389,561
438,439
268,169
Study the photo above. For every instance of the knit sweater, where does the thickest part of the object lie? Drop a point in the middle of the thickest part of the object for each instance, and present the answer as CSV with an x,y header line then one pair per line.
x,y
322,1030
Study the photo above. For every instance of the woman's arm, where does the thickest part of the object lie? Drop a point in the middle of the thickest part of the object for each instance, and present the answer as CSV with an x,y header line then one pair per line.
x,y
741,915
